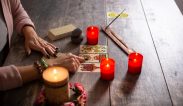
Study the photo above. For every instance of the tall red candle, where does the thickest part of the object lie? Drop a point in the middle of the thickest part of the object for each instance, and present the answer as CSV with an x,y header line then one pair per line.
x,y
135,63
92,35
107,68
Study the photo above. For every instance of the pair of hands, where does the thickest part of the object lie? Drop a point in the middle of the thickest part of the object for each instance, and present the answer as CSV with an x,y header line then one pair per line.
x,y
34,42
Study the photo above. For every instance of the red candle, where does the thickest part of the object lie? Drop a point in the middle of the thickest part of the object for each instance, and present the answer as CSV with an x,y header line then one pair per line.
x,y
107,67
135,63
92,35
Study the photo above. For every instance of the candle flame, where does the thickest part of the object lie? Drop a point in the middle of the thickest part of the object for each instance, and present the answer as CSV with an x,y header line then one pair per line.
x,y
136,54
107,65
135,60
55,74
54,71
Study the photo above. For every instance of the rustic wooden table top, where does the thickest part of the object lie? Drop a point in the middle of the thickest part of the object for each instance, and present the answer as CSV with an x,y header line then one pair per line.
x,y
153,28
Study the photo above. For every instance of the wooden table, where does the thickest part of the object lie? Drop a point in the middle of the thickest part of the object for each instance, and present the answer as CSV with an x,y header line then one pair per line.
x,y
153,28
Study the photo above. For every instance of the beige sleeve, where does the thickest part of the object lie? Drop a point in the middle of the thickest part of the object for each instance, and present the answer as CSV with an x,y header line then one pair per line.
x,y
9,78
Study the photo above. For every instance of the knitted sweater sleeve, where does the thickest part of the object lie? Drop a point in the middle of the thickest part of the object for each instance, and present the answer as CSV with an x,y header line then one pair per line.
x,y
9,78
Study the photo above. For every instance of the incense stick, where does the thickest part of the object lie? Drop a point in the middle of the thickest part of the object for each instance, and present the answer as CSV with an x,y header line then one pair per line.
x,y
121,40
115,35
117,41
114,20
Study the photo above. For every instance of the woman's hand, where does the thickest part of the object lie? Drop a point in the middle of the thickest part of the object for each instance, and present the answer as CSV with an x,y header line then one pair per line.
x,y
34,42
69,61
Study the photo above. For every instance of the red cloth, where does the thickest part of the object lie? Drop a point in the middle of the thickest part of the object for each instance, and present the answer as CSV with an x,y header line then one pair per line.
x,y
15,17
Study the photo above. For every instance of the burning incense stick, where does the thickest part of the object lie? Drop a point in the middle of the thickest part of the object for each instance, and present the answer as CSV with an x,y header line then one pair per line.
x,y
115,35
114,20
121,44
116,38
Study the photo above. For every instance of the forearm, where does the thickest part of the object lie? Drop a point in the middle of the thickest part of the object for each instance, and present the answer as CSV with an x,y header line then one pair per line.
x,y
28,73
14,76
28,31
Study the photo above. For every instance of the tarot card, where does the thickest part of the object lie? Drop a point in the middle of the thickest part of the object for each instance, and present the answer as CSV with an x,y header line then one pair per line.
x,y
93,58
90,58
102,56
93,49
89,67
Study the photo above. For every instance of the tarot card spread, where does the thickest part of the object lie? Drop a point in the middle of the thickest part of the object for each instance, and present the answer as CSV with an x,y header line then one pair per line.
x,y
93,49
93,58
92,55
89,67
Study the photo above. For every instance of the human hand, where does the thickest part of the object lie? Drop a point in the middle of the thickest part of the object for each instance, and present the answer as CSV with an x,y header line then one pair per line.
x,y
34,42
69,61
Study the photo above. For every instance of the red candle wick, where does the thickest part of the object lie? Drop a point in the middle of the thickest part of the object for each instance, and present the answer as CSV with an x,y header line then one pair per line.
x,y
136,54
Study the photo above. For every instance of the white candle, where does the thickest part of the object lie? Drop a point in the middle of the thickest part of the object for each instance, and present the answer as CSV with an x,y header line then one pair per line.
x,y
56,84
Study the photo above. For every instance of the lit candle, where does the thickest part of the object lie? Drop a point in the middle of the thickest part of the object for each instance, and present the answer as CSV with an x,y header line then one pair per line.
x,y
56,85
135,63
107,68
92,35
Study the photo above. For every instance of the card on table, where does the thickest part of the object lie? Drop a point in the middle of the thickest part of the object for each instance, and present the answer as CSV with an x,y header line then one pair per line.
x,y
93,58
93,49
89,67
92,55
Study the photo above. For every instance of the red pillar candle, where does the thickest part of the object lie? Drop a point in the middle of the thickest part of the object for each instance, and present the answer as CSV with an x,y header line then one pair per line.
x,y
107,68
135,63
92,35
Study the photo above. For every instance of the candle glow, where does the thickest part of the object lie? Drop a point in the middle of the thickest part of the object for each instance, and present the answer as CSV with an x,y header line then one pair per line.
x,y
135,63
55,74
107,68
92,33
56,84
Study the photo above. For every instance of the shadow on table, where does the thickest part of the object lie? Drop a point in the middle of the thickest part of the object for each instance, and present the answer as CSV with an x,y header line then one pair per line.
x,y
129,83
70,47
21,96
99,91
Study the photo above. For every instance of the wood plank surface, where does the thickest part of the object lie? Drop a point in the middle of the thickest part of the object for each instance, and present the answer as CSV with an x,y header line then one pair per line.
x,y
50,14
84,13
148,88
153,28
166,24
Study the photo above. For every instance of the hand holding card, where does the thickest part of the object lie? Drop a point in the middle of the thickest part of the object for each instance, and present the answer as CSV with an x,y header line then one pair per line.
x,y
69,61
